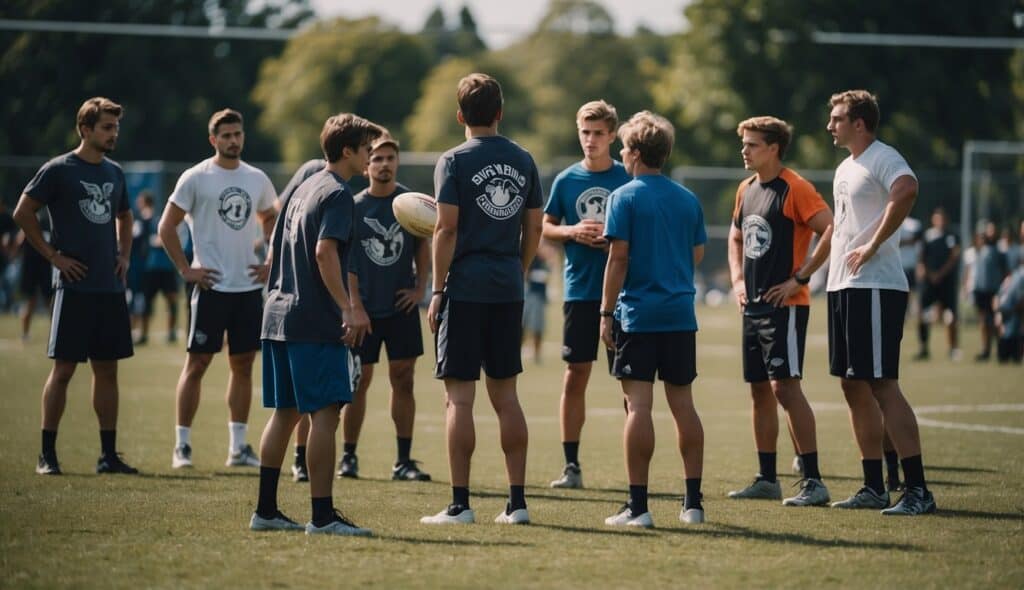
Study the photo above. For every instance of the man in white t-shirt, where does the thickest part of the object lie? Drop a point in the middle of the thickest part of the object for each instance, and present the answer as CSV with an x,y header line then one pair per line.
x,y
222,198
874,190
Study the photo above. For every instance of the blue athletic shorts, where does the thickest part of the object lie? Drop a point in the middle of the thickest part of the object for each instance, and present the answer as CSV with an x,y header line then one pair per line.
x,y
305,375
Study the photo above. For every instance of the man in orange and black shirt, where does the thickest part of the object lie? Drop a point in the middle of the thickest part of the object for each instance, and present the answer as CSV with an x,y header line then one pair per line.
x,y
776,213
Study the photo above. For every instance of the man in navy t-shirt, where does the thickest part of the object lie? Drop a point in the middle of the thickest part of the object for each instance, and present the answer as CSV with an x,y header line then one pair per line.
x,y
574,216
655,229
488,228
92,240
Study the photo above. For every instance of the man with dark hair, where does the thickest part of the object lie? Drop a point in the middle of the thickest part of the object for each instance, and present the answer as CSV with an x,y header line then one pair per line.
x,y
655,230
488,229
225,202
158,275
874,189
574,217
990,268
91,219
776,213
309,324
938,270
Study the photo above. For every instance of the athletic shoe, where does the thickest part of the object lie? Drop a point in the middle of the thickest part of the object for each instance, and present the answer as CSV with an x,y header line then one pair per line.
x,y
279,522
812,493
114,464
408,471
182,456
956,355
915,500
348,466
245,457
48,465
894,485
518,516
864,498
453,514
299,473
625,517
760,489
798,465
339,526
691,515
572,478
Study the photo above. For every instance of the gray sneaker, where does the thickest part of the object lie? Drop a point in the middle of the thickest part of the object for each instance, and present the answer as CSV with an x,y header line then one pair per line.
x,y
280,522
339,526
864,498
812,493
915,500
572,477
760,489
244,457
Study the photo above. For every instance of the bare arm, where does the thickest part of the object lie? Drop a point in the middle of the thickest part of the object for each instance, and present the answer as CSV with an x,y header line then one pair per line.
x,y
587,232
698,254
123,223
530,239
821,224
25,217
408,299
902,195
260,272
358,311
329,264
614,277
445,233
739,287
204,278
267,218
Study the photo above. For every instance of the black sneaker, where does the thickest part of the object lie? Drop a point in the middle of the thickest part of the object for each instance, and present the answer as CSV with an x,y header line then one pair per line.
x,y
114,464
348,466
409,471
48,465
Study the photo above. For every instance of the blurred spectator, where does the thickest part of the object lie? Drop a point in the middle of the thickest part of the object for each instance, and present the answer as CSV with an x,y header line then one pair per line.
x,y
535,300
989,270
36,283
910,251
158,273
937,271
8,250
1009,311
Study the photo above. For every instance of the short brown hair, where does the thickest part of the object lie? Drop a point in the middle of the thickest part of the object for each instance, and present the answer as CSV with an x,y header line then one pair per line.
x,y
90,111
772,129
224,117
599,110
480,100
860,104
650,134
346,130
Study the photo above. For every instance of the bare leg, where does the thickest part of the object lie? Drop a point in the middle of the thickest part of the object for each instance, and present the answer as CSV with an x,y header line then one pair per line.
x,y
302,431
573,407
354,413
320,451
798,413
403,403
638,435
689,430
512,426
239,394
765,417
900,422
189,386
460,429
274,442
55,393
865,417
105,393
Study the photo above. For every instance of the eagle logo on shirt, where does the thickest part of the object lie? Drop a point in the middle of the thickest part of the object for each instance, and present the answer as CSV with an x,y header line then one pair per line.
x,y
384,247
502,184
234,207
96,205
591,203
757,236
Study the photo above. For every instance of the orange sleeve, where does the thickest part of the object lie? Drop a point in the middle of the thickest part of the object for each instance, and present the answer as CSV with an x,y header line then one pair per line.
x,y
804,201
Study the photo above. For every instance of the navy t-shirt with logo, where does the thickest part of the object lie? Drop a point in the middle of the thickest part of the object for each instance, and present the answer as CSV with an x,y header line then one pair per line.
x,y
84,200
492,181
382,254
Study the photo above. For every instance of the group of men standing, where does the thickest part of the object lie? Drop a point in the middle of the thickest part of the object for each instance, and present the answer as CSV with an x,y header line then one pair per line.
x,y
343,278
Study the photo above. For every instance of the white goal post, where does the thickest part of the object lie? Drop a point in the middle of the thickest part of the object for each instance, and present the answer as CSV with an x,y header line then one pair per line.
x,y
972,147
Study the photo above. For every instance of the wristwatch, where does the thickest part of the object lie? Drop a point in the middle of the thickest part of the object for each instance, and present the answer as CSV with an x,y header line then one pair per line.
x,y
607,314
799,281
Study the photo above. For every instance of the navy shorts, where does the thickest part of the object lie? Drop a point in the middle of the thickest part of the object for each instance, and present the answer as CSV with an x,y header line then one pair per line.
x,y
865,328
90,326
211,313
773,343
308,376
400,334
671,356
472,335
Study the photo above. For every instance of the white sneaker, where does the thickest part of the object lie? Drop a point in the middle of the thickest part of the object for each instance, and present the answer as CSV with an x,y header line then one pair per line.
x,y
244,457
572,478
339,526
625,517
280,522
182,457
519,516
453,514
691,515
760,489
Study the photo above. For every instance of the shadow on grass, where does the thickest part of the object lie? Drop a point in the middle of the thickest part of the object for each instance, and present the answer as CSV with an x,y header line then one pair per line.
x,y
715,530
194,476
946,513
616,532
937,482
466,542
253,473
534,495
928,468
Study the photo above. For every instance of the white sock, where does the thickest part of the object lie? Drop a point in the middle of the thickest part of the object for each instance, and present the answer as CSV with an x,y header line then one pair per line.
x,y
183,436
238,431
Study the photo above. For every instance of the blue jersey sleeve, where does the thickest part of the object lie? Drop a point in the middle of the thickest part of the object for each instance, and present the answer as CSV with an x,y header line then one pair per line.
x,y
618,220
336,218
535,198
43,186
554,207
445,185
700,234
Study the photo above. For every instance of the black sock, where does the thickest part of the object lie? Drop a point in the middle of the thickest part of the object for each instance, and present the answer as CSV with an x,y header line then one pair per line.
x,y
873,475
404,448
49,443
300,455
693,496
892,466
350,448
516,498
913,469
460,496
810,461
572,452
637,499
266,506
108,443
766,461
323,511
922,336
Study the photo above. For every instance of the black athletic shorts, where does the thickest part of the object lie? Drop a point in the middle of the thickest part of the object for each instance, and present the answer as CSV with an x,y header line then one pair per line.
x,y
672,356
212,312
472,335
92,326
581,333
943,293
773,343
36,276
400,333
865,327
158,281
983,300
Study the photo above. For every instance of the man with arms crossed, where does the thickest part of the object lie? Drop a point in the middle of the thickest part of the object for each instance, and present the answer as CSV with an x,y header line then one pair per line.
x,y
776,212
488,228
575,216
309,324
92,239
874,189
656,232
222,198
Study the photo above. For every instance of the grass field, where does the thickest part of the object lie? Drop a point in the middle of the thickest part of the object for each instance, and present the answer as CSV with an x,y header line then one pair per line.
x,y
189,529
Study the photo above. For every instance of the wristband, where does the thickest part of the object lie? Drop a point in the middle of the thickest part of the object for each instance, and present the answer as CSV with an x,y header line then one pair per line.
x,y
799,281
607,314
441,292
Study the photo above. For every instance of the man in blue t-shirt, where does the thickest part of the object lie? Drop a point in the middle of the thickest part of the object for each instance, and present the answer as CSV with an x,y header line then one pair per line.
x,y
91,220
488,228
574,216
309,323
158,272
655,229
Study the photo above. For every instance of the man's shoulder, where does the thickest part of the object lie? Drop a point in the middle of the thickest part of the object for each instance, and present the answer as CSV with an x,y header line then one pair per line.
x,y
796,181
248,169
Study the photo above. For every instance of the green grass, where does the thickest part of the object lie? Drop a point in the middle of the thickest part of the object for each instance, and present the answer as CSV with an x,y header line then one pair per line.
x,y
188,529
